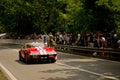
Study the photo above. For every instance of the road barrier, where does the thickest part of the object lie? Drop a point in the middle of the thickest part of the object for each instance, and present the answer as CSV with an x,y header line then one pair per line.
x,y
109,53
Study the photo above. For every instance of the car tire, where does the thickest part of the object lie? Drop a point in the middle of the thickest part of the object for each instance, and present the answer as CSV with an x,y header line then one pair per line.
x,y
53,61
26,60
20,58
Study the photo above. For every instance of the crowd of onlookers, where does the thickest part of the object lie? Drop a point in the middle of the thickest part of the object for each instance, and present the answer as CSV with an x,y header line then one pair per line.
x,y
92,39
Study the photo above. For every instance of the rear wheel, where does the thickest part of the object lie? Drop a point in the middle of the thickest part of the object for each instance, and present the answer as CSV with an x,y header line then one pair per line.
x,y
53,61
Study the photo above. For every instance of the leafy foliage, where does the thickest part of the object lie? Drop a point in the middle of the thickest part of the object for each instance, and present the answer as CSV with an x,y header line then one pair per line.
x,y
44,16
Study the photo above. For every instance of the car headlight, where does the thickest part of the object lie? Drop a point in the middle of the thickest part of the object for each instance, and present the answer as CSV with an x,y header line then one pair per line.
x,y
52,54
33,54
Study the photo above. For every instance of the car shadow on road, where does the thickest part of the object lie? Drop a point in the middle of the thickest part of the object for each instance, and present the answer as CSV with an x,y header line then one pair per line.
x,y
32,63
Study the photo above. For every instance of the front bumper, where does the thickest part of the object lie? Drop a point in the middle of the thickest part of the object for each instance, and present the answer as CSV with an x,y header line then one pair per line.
x,y
43,57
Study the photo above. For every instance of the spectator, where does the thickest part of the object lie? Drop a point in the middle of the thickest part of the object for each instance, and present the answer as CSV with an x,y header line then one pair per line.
x,y
90,40
118,43
53,42
44,37
104,42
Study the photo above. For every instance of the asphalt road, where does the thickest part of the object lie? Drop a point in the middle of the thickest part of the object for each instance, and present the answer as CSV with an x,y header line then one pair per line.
x,y
67,67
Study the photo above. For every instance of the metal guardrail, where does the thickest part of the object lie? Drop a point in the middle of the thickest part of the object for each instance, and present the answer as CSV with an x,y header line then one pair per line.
x,y
108,52
80,48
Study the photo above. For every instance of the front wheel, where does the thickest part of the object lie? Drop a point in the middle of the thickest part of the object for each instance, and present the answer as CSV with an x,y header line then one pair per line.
x,y
20,58
26,59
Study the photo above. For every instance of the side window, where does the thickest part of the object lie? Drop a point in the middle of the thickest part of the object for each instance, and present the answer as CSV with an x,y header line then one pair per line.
x,y
23,47
28,46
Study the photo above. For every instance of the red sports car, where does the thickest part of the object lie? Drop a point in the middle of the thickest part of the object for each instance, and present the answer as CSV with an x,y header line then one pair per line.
x,y
37,51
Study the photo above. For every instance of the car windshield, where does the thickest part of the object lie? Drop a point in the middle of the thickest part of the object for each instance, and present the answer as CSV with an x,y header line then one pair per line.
x,y
36,45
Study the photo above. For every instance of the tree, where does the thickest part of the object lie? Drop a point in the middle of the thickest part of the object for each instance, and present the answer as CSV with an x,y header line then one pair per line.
x,y
44,16
102,14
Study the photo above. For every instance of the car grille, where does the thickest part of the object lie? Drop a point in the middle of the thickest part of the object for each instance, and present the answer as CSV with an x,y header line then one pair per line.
x,y
42,57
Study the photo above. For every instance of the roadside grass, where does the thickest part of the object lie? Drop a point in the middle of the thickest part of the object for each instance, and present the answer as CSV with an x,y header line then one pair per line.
x,y
2,76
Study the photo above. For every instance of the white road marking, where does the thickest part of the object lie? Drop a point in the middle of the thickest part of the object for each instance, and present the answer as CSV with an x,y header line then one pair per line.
x,y
8,72
87,71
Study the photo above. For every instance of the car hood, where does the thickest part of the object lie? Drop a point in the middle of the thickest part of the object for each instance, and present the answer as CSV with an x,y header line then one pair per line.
x,y
42,50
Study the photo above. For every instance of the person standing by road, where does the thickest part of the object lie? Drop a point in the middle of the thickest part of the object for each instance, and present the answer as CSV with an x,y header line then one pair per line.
x,y
53,41
90,40
44,38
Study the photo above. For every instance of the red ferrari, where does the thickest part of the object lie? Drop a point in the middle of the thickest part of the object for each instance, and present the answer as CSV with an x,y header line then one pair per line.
x,y
37,51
